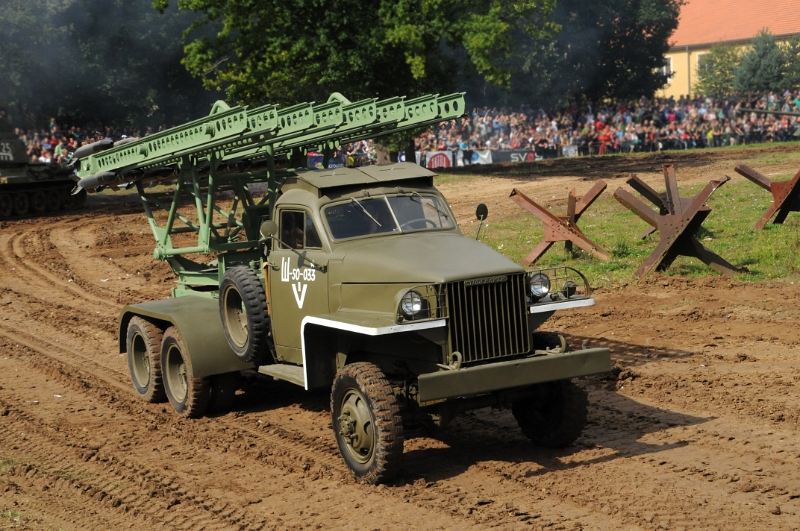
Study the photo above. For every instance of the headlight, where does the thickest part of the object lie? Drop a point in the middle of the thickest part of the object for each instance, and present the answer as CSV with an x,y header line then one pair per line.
x,y
539,285
411,303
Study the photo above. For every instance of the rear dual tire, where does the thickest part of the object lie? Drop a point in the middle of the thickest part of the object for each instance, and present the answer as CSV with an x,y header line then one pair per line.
x,y
188,395
144,359
161,371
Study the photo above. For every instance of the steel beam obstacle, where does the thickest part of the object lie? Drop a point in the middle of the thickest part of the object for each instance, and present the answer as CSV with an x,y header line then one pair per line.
x,y
562,228
677,222
785,195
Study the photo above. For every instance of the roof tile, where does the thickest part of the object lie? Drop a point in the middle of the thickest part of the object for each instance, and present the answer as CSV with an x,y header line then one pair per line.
x,y
714,21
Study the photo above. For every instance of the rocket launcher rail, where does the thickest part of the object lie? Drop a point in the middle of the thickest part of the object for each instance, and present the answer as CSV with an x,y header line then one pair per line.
x,y
238,133
229,151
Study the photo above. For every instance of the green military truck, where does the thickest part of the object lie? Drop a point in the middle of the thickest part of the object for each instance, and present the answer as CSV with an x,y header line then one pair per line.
x,y
358,280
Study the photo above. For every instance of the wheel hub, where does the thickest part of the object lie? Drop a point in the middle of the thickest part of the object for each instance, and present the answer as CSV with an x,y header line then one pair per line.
x,y
355,426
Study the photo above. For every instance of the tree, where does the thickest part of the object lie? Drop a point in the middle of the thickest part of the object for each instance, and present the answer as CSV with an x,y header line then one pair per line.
x,y
287,52
716,70
762,66
791,77
96,62
606,50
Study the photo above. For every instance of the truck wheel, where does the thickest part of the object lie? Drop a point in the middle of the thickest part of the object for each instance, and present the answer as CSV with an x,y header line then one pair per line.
x,y
144,359
6,206
53,200
38,201
21,203
545,340
243,310
553,417
367,422
223,392
187,394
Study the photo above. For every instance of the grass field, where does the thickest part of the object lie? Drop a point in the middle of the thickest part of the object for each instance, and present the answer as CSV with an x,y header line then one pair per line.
x,y
771,253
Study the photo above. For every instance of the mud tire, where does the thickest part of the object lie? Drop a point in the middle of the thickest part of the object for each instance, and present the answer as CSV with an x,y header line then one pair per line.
x,y
361,392
545,340
223,392
143,343
188,395
555,416
243,312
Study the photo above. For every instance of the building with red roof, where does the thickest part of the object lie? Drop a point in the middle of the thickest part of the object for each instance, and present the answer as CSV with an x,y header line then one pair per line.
x,y
704,23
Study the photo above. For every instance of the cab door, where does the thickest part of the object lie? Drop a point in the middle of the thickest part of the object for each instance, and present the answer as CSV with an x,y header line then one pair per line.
x,y
297,287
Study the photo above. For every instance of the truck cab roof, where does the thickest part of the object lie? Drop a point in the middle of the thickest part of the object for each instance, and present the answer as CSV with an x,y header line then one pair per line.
x,y
320,182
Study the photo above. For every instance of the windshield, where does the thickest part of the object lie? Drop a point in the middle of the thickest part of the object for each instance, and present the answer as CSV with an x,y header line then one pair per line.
x,y
387,214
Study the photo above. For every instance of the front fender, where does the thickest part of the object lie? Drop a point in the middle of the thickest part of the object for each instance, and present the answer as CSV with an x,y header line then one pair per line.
x,y
319,338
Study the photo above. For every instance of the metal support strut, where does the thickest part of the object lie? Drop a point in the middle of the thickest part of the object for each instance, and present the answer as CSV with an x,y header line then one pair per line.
x,y
785,195
677,222
562,228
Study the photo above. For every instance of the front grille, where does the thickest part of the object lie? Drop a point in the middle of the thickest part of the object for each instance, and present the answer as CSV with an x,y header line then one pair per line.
x,y
488,317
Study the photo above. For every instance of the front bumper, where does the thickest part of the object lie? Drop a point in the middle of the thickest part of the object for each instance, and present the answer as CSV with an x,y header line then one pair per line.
x,y
510,374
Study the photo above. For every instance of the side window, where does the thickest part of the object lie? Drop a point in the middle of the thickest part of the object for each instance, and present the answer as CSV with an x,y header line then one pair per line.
x,y
298,231
312,236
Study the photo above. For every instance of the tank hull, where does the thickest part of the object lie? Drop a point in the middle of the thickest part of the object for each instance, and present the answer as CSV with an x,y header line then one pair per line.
x,y
33,188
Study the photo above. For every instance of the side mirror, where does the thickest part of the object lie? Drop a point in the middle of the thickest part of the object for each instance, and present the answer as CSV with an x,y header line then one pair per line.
x,y
269,229
481,212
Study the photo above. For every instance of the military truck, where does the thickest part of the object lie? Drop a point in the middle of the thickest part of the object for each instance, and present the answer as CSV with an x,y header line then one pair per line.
x,y
358,280
31,187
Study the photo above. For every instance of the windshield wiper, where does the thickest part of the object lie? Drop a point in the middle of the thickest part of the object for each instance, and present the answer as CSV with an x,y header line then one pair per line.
x,y
364,210
437,209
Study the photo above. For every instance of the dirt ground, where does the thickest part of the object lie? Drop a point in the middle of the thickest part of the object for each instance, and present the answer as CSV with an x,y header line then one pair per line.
x,y
698,428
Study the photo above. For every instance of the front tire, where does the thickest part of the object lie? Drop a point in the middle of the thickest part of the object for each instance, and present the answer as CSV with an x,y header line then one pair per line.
x,y
554,416
144,359
188,395
367,422
243,310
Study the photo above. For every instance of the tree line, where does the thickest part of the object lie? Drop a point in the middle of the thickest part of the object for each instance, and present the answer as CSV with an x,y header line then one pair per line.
x,y
765,65
145,62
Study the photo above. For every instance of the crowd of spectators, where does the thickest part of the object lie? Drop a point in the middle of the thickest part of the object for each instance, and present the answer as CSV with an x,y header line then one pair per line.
x,y
53,144
625,126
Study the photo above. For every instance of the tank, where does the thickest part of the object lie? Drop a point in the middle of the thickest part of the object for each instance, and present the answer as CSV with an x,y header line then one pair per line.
x,y
32,188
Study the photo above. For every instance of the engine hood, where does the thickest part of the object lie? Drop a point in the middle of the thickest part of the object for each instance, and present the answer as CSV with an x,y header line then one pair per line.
x,y
422,258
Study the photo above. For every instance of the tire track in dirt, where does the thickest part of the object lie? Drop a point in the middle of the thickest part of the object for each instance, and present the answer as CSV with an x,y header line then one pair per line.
x,y
65,356
283,459
648,476
107,481
291,450
12,253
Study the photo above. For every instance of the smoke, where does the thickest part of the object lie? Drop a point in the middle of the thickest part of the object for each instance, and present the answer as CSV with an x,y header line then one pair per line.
x,y
96,62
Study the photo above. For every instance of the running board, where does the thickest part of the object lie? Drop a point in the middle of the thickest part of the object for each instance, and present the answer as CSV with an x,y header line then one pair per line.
x,y
289,373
